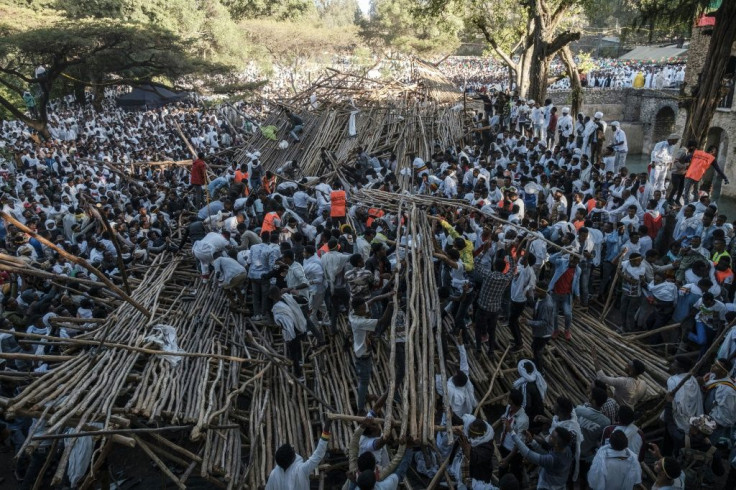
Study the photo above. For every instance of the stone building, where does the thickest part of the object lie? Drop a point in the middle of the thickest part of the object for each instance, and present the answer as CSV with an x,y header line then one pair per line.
x,y
722,131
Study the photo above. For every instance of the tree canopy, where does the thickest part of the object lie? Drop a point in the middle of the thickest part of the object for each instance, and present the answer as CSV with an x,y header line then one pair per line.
x,y
88,52
404,26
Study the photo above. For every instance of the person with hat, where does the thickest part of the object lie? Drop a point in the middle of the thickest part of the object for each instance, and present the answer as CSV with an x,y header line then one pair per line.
x,y
291,471
662,157
620,146
565,126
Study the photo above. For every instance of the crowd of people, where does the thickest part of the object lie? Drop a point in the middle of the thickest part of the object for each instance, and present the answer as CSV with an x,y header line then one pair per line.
x,y
477,74
554,222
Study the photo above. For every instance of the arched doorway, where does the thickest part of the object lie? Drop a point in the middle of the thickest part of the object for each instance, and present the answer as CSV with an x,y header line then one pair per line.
x,y
664,123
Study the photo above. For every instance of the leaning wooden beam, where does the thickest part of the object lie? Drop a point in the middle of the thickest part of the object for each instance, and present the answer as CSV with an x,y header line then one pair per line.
x,y
108,432
112,345
159,463
116,243
77,260
389,199
31,271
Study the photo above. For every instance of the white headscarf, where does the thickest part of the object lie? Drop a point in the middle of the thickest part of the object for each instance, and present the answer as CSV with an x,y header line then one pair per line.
x,y
533,377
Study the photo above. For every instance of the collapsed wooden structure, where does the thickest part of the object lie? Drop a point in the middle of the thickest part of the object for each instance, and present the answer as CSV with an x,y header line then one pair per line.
x,y
219,405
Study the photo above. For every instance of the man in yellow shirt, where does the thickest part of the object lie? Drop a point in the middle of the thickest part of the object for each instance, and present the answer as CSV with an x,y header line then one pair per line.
x,y
465,247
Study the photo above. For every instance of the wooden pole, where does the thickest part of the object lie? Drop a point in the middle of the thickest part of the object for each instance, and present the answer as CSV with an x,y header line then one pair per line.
x,y
78,261
116,244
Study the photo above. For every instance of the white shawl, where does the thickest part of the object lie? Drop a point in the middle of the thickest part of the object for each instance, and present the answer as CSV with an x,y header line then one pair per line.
x,y
533,377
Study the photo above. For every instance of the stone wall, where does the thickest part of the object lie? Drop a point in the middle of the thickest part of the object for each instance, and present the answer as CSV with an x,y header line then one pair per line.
x,y
636,109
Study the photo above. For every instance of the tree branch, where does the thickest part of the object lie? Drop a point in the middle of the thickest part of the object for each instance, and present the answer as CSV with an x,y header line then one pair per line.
x,y
562,40
492,41
15,111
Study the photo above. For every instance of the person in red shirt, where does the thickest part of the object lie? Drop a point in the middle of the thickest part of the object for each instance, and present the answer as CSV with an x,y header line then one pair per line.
x,y
198,178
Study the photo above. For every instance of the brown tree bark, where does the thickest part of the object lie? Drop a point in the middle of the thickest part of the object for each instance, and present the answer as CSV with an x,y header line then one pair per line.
x,y
703,105
576,88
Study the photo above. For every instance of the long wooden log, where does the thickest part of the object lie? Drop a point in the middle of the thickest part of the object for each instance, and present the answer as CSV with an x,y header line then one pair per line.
x,y
77,260
132,348
116,244
108,432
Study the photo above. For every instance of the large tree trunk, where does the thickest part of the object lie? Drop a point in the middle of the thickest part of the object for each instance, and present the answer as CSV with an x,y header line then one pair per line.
x,y
538,76
576,88
525,65
703,105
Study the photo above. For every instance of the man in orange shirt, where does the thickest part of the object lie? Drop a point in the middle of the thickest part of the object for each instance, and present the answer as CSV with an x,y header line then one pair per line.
x,y
700,162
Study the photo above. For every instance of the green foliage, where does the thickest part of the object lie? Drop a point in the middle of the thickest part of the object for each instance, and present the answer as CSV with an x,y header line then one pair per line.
x,y
274,10
90,52
585,62
338,13
292,44
207,23
404,26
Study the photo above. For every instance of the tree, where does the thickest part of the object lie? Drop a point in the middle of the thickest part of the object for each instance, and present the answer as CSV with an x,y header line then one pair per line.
x,y
275,10
525,34
207,24
294,46
338,13
701,101
400,25
114,52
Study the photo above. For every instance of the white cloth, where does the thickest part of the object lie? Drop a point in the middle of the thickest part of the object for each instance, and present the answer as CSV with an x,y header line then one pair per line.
x,y
614,470
288,315
526,378
688,401
165,337
573,426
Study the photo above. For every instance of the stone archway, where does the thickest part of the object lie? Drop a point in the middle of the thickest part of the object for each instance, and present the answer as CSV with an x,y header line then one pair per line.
x,y
663,124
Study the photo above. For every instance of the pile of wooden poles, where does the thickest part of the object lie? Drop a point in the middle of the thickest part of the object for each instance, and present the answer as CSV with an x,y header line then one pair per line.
x,y
397,126
115,377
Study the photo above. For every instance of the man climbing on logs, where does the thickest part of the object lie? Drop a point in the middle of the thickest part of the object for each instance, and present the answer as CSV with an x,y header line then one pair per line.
x,y
287,314
291,471
366,331
207,248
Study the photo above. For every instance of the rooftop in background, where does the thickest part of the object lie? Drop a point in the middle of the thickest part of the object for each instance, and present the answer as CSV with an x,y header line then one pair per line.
x,y
657,54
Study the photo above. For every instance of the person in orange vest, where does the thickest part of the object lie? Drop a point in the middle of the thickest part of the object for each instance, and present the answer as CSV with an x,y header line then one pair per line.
x,y
269,182
373,215
724,276
338,200
700,162
272,220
